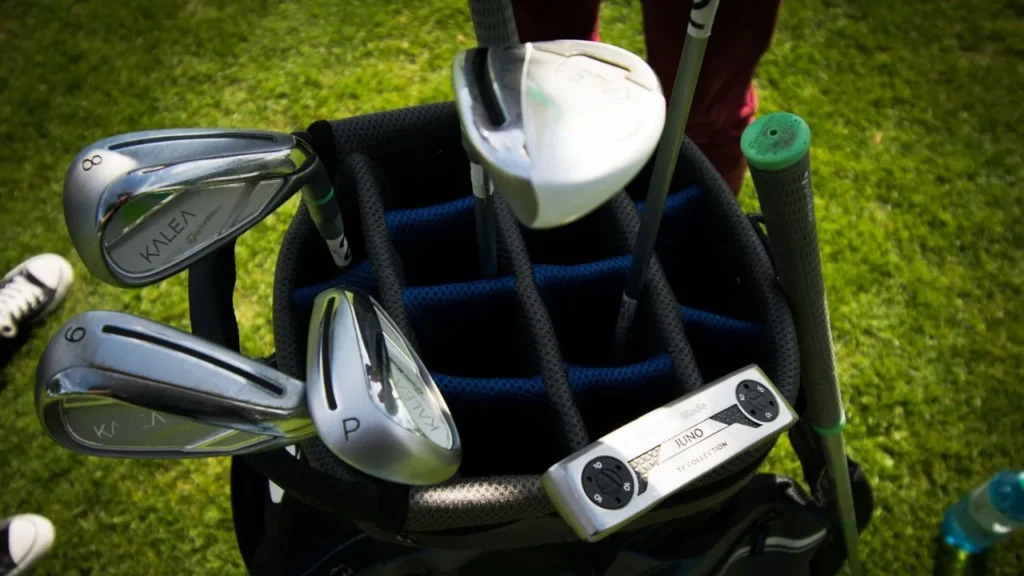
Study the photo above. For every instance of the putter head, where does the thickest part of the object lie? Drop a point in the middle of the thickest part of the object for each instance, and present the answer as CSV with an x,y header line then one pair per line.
x,y
559,126
143,206
619,477
373,402
113,384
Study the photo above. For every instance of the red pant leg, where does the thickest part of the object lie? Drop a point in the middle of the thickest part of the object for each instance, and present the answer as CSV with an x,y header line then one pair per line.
x,y
540,20
724,102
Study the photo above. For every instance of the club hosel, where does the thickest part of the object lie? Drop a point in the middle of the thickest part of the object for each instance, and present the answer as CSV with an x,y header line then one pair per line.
x,y
482,187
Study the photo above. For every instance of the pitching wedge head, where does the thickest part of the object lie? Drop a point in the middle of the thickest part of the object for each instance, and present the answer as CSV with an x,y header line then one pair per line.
x,y
559,126
371,398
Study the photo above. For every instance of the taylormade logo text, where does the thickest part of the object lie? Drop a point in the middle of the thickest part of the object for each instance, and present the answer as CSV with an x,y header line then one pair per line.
x,y
691,412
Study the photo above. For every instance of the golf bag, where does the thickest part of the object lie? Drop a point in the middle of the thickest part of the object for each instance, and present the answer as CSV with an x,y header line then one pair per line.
x,y
524,361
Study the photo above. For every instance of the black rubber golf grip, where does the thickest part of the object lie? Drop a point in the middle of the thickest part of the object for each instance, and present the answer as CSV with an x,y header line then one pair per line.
x,y
493,22
788,205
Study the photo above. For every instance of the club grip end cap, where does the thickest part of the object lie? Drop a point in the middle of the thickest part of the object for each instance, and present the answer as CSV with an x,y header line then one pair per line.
x,y
776,141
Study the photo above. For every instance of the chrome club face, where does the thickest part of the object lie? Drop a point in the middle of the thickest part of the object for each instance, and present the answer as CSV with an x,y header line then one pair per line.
x,y
372,400
559,126
143,206
113,384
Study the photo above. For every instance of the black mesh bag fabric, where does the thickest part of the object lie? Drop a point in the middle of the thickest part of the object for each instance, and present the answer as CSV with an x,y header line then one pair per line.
x,y
524,359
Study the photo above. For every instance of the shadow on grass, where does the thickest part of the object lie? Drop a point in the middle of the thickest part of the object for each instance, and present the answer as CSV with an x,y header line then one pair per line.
x,y
8,348
950,561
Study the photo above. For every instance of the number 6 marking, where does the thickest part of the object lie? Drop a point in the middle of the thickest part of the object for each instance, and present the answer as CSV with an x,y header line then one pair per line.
x,y
74,334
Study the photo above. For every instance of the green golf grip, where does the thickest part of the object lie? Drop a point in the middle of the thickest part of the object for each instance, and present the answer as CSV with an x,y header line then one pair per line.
x,y
777,148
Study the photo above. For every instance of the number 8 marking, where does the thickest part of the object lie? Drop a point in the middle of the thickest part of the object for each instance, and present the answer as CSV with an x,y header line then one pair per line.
x,y
88,163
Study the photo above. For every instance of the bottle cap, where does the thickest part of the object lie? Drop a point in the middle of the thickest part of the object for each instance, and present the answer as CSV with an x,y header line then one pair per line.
x,y
1007,494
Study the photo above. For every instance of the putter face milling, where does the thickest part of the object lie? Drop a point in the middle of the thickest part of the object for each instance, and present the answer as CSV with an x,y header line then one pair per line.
x,y
559,126
143,206
615,480
113,384
372,400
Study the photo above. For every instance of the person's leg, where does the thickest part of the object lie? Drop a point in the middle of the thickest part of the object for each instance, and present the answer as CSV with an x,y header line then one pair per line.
x,y
724,103
540,20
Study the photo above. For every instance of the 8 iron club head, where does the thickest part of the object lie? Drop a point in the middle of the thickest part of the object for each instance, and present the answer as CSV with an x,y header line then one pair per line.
x,y
560,126
373,402
143,206
113,384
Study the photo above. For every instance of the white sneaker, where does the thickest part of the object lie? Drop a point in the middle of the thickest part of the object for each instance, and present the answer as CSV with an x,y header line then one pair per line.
x,y
24,539
32,291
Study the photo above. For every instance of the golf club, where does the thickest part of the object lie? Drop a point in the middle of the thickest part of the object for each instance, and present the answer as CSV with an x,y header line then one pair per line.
x,y
528,114
113,384
702,15
615,480
143,206
494,25
777,148
494,22
373,402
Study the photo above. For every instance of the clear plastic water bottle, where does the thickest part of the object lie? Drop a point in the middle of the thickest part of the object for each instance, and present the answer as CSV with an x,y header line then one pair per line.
x,y
987,515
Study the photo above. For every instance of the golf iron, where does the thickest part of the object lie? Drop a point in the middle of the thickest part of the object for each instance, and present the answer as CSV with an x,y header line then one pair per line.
x,y
373,402
113,384
143,206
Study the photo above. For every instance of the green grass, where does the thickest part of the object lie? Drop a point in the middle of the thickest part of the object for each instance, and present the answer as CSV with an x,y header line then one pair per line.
x,y
918,167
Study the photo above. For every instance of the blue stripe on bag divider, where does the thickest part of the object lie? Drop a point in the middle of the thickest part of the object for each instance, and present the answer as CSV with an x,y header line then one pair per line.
x,y
675,201
359,276
489,388
439,217
549,275
584,379
676,233
415,297
713,321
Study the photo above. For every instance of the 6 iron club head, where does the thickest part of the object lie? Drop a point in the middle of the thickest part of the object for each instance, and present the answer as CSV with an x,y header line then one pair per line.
x,y
113,384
